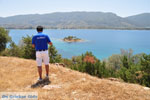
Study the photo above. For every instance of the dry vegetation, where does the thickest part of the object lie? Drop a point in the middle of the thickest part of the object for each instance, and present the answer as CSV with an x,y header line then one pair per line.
x,y
17,75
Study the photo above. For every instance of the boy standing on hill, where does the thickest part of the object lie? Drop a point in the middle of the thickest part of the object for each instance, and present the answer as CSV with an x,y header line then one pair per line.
x,y
40,42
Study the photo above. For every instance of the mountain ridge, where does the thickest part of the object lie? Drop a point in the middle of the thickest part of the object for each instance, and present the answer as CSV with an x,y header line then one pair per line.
x,y
76,20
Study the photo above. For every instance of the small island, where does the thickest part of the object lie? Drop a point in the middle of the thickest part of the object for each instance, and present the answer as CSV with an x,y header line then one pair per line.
x,y
72,39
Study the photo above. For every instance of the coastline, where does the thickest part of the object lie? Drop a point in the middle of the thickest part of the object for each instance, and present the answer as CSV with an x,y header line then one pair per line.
x,y
84,28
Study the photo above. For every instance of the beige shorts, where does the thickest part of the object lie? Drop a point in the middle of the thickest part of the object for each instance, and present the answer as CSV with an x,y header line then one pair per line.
x,y
42,56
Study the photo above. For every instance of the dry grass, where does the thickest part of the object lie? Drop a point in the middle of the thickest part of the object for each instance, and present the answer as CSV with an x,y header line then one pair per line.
x,y
17,75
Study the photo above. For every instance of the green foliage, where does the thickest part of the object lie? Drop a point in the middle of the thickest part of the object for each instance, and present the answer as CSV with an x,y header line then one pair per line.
x,y
90,64
145,62
67,62
129,75
24,51
131,68
54,56
4,38
13,50
28,50
114,62
125,62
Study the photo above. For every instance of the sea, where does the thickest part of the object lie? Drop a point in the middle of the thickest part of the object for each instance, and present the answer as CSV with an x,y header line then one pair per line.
x,y
101,42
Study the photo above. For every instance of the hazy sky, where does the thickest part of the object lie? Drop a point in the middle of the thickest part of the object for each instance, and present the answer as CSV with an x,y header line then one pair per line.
x,y
120,7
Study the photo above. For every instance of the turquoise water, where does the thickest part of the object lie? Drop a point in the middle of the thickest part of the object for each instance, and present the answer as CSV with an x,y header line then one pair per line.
x,y
102,43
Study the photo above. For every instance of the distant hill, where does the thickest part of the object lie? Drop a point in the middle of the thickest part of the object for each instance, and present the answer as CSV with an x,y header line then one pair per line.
x,y
18,74
141,20
76,20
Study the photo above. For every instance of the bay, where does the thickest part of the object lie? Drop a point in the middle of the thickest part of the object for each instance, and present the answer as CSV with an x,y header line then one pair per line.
x,y
102,43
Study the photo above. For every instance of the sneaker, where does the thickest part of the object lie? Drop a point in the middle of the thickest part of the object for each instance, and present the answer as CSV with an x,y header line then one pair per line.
x,y
46,77
39,80
46,80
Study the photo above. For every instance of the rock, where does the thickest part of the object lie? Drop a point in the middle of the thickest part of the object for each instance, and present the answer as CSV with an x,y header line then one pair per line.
x,y
146,88
74,92
48,87
60,64
115,79
84,79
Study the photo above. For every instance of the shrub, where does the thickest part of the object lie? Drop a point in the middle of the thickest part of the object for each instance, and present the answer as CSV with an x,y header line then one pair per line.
x,y
54,56
28,50
4,38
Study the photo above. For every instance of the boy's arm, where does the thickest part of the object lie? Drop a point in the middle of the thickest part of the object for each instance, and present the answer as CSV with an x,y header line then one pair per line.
x,y
33,42
33,45
50,43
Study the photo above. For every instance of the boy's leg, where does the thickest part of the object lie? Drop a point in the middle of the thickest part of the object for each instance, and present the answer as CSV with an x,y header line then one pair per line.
x,y
39,64
46,62
40,71
47,69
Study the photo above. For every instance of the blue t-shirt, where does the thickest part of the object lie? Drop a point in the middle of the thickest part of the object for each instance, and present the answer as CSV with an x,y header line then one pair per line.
x,y
41,41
